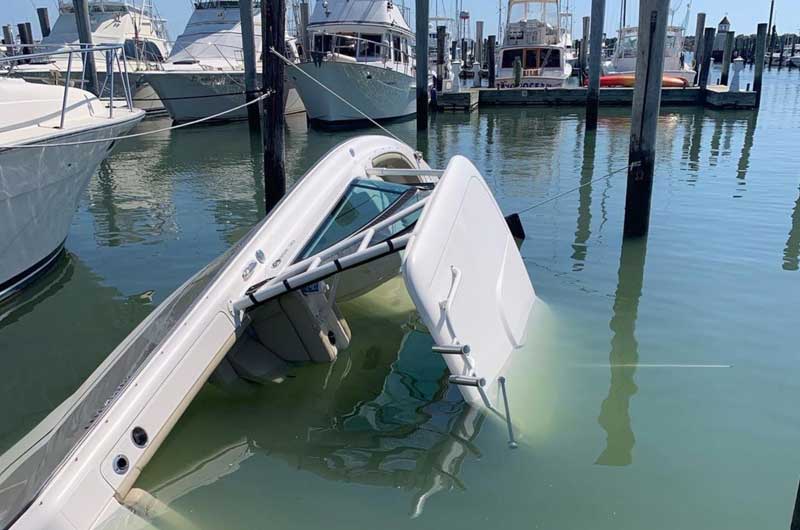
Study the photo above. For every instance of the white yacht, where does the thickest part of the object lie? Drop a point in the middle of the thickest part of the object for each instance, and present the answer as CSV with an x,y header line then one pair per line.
x,y
136,25
361,51
204,75
623,61
42,184
534,39
369,210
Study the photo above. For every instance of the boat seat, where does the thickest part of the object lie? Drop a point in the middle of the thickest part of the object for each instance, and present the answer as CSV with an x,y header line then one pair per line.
x,y
302,326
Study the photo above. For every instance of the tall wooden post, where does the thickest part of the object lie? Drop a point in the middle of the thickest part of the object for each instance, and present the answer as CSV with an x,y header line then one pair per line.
x,y
85,37
770,30
304,40
8,38
595,57
727,55
44,21
698,45
422,65
584,50
441,38
25,37
653,15
479,42
273,32
490,60
249,55
761,44
705,71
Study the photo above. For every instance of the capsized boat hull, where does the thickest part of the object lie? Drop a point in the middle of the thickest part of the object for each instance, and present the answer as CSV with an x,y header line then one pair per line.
x,y
190,95
380,93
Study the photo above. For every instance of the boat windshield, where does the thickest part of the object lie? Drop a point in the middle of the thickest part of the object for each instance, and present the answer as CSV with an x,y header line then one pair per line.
x,y
363,203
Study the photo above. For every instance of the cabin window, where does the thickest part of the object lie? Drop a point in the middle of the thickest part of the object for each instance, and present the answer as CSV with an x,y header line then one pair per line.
x,y
364,201
144,50
369,45
323,43
398,53
346,44
532,59
509,56
551,58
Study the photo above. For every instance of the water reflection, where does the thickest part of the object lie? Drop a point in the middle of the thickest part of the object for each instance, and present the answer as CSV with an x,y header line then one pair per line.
x,y
34,328
747,147
792,250
615,416
583,230
375,417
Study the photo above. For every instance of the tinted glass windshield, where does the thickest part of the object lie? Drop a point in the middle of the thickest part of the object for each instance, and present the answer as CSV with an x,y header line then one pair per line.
x,y
364,201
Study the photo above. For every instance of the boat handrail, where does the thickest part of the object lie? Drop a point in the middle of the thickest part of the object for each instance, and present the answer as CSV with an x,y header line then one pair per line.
x,y
385,57
112,55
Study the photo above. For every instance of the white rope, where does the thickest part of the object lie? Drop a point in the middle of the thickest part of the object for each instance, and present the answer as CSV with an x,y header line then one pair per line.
x,y
576,188
136,135
375,123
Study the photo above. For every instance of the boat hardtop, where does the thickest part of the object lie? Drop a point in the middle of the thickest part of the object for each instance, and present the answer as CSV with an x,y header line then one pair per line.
x,y
344,16
369,208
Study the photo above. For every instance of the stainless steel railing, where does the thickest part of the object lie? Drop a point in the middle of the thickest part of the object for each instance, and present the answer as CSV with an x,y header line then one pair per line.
x,y
112,55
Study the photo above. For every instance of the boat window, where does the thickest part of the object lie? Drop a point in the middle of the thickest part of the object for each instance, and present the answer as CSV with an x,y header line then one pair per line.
x,y
532,58
398,54
509,56
364,201
369,45
323,43
142,50
551,58
346,44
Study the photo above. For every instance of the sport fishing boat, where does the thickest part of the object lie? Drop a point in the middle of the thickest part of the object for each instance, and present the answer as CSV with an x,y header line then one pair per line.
x,y
136,25
535,43
204,75
361,51
623,62
369,209
42,183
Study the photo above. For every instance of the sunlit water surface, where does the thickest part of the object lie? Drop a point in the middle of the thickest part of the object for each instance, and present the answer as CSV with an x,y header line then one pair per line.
x,y
658,389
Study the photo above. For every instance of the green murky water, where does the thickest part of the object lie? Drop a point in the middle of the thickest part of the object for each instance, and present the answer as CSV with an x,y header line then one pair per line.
x,y
661,375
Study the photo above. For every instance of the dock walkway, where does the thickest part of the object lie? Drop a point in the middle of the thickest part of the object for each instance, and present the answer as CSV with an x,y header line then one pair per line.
x,y
717,96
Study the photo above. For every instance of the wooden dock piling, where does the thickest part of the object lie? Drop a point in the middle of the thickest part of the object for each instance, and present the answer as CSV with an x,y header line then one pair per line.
x,y
44,21
479,42
249,56
490,59
85,37
770,29
422,64
705,71
595,56
698,45
273,34
727,55
653,15
8,38
761,44
304,40
441,38
584,50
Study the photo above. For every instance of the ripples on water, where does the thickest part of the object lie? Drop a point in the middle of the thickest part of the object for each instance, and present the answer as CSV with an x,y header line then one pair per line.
x,y
620,427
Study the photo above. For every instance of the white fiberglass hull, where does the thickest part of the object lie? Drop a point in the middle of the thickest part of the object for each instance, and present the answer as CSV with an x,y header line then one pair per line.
x,y
380,93
144,97
193,95
41,189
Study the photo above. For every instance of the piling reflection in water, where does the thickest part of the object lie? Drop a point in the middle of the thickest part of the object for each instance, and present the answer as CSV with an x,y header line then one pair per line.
x,y
615,416
375,417
747,148
791,254
583,230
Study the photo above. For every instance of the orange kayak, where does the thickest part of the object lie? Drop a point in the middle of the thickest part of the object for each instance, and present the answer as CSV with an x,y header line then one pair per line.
x,y
628,80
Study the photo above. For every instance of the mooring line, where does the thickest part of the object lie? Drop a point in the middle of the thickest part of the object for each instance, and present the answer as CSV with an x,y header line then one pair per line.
x,y
135,135
371,120
576,188
649,365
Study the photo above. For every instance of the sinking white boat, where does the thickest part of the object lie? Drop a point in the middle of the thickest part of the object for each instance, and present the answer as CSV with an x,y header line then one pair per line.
x,y
361,51
535,43
369,208
134,24
41,185
204,74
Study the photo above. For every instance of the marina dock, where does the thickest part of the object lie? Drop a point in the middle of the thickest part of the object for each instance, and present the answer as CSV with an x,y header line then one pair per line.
x,y
718,97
